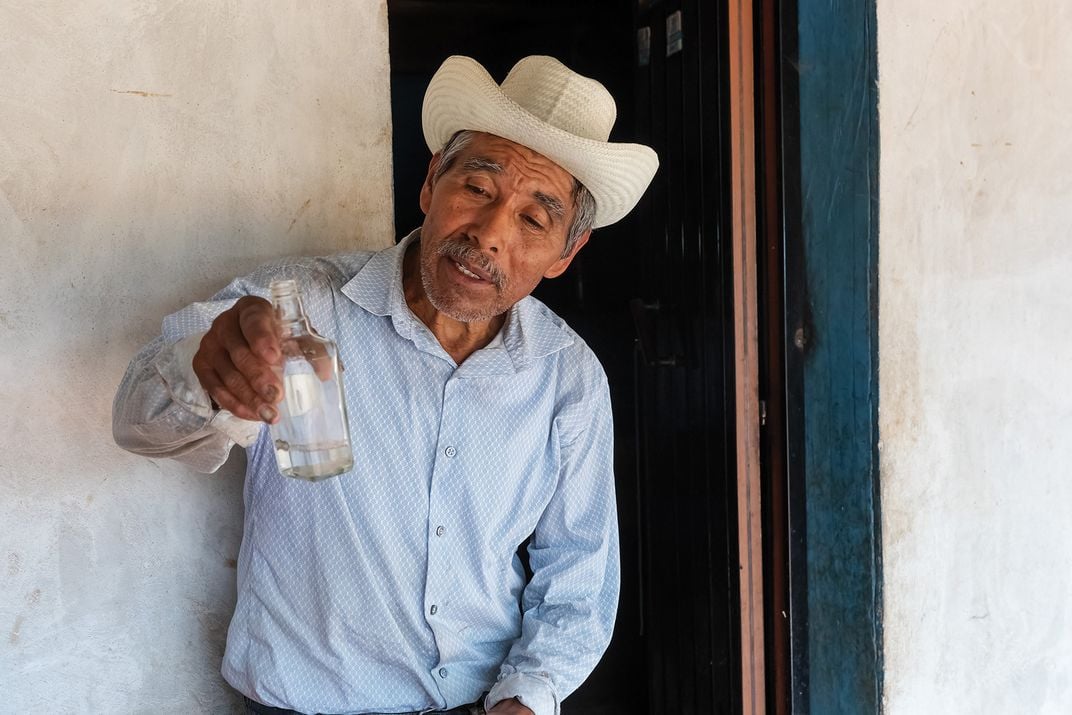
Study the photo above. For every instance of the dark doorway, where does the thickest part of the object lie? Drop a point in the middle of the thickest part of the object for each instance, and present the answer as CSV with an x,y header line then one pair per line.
x,y
685,361
651,296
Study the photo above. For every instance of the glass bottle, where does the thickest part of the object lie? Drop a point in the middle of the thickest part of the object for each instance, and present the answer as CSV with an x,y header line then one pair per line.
x,y
312,436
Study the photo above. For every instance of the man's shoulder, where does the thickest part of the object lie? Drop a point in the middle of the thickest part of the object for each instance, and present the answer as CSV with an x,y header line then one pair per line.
x,y
312,272
344,264
575,357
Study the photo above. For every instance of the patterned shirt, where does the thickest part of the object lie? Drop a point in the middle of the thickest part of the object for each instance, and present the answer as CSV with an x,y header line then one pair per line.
x,y
397,586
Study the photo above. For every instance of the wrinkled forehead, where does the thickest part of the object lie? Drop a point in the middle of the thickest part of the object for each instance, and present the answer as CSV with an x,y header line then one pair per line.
x,y
499,155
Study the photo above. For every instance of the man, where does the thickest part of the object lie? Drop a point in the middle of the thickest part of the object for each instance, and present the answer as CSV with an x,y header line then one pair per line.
x,y
478,419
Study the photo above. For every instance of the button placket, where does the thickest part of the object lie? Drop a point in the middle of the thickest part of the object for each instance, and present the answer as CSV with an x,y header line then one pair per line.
x,y
449,451
438,548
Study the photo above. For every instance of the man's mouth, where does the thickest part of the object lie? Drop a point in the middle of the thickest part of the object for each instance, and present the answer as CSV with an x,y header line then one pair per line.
x,y
472,264
465,271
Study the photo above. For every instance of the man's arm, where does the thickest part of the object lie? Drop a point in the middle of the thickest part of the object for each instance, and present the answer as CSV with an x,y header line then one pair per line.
x,y
160,410
211,355
570,604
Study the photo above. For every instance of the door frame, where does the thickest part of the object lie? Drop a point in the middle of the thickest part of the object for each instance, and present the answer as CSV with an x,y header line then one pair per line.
x,y
811,93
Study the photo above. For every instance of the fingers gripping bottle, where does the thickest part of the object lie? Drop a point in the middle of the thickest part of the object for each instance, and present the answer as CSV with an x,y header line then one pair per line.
x,y
312,436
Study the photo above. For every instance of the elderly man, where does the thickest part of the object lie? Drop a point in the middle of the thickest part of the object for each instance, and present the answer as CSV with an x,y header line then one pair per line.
x,y
479,420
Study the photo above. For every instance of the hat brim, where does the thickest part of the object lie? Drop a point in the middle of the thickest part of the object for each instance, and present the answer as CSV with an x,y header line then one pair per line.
x,y
462,95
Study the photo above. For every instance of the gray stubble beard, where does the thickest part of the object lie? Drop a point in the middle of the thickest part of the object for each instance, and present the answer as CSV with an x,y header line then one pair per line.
x,y
452,248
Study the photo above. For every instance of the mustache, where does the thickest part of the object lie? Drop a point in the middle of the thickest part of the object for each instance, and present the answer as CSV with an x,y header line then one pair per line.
x,y
462,251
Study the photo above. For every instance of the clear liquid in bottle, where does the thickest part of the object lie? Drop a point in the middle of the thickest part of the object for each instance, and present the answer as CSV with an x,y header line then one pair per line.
x,y
312,436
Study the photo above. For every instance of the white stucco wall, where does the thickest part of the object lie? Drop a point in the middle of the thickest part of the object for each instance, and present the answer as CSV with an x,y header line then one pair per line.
x,y
975,350
148,152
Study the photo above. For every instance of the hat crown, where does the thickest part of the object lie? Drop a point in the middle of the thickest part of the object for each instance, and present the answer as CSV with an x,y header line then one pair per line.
x,y
545,106
557,95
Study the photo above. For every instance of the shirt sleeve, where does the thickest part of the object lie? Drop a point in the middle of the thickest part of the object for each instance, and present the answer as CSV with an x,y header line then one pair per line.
x,y
160,408
570,604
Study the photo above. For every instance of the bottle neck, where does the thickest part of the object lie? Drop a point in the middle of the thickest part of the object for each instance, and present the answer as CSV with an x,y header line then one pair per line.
x,y
289,312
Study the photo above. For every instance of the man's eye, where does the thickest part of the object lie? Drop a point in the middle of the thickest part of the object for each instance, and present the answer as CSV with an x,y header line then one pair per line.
x,y
533,223
475,190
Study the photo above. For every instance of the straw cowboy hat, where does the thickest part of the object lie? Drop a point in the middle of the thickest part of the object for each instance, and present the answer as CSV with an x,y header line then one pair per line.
x,y
549,108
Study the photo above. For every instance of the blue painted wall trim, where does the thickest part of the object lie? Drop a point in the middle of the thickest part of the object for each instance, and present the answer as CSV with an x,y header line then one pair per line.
x,y
838,124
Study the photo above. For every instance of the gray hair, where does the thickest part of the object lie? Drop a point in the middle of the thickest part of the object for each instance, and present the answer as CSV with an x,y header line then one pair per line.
x,y
584,204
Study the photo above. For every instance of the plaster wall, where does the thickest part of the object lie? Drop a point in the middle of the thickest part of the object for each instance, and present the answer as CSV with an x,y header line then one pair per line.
x,y
975,354
149,151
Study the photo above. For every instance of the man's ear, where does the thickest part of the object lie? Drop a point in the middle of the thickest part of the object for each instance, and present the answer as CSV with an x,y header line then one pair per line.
x,y
559,267
429,183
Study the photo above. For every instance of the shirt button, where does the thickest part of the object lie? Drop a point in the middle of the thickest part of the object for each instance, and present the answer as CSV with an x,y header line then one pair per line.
x,y
434,610
442,672
450,451
440,531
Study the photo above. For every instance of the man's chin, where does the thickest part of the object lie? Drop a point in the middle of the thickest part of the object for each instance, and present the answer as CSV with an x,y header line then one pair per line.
x,y
471,316
458,310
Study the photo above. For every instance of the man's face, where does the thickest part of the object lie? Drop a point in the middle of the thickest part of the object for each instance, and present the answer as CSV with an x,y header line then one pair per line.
x,y
495,224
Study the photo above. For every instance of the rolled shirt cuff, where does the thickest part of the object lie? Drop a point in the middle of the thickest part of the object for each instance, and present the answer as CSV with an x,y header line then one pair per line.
x,y
175,365
533,691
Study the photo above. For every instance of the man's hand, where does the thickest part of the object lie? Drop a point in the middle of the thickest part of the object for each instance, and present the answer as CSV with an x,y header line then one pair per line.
x,y
510,706
234,362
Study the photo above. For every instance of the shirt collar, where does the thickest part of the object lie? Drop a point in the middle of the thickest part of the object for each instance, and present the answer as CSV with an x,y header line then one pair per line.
x,y
531,330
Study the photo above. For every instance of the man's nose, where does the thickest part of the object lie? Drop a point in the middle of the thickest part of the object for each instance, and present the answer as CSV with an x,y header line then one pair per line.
x,y
492,226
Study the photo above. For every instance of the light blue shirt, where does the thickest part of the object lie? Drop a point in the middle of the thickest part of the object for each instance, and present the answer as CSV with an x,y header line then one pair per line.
x,y
396,586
